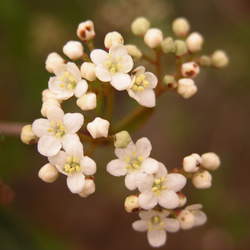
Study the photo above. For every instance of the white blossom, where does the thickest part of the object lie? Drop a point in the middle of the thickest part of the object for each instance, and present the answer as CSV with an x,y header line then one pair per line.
x,y
153,38
74,165
67,82
160,188
88,71
186,88
112,39
86,30
88,189
210,161
73,50
142,87
190,69
48,173
98,127
194,42
114,66
56,130
156,224
191,163
133,162
202,179
53,61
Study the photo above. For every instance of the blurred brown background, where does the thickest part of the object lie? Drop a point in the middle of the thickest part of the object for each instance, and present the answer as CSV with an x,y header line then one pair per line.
x,y
47,216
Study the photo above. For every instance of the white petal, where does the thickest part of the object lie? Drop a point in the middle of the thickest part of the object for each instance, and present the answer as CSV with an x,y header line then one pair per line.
x,y
147,200
176,182
40,127
98,56
55,113
118,51
59,160
74,70
102,74
147,215
146,98
194,207
162,171
150,166
140,226
157,238
73,122
169,199
143,147
131,181
122,153
88,165
75,183
48,145
81,88
200,217
117,167
172,225
72,145
144,181
60,69
57,90
121,81
152,79
126,63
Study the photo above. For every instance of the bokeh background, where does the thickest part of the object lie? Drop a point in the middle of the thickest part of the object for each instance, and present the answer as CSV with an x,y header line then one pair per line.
x,y
47,216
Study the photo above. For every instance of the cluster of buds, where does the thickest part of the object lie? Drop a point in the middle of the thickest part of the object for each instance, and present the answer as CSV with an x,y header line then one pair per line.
x,y
89,76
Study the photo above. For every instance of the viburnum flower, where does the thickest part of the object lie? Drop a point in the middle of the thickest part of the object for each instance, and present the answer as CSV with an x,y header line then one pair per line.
x,y
161,189
114,66
67,82
133,161
156,224
74,164
54,131
142,87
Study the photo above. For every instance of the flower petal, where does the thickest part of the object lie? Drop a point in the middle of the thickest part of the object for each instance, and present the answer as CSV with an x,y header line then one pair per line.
x,y
144,181
143,147
169,199
102,73
150,166
98,56
74,70
152,79
123,153
118,51
147,200
162,171
146,98
131,181
172,225
56,88
200,217
81,88
156,238
73,122
117,167
176,182
140,226
59,160
88,165
126,63
55,113
72,145
76,183
48,145
121,81
40,127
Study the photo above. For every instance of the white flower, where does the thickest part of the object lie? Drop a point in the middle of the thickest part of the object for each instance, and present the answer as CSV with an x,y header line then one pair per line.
x,y
53,61
191,163
219,59
88,71
86,30
194,42
98,127
153,37
192,216
161,189
202,179
67,82
156,224
48,173
210,161
74,165
87,101
133,161
112,39
140,26
73,50
54,131
186,88
190,69
88,189
142,87
181,27
113,66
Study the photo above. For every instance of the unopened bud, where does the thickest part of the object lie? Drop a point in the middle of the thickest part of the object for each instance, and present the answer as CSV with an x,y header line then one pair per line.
x,y
168,45
205,61
170,81
89,188
153,38
73,50
202,180
191,163
180,48
53,61
133,51
140,26
190,69
181,27
48,173
219,59
195,42
186,88
186,219
98,128
88,71
182,199
131,203
87,101
112,39
27,135
210,161
48,105
86,30
122,139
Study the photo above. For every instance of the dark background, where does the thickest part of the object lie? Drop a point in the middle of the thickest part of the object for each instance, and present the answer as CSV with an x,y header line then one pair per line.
x,y
47,216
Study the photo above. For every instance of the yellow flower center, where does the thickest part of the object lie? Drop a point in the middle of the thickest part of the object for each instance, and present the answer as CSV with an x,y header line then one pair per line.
x,y
68,81
155,223
158,185
112,67
72,165
134,162
57,129
140,83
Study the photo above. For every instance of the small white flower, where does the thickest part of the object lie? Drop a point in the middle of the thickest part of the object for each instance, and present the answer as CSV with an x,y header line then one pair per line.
x,y
68,82
86,30
142,87
88,189
194,42
74,165
156,224
48,173
112,39
186,88
140,26
153,38
87,101
210,161
181,27
219,59
202,179
190,69
113,66
73,50
54,131
53,61
191,163
88,71
161,189
98,127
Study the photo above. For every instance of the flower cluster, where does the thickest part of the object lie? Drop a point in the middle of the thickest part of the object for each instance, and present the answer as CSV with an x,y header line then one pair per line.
x,y
90,76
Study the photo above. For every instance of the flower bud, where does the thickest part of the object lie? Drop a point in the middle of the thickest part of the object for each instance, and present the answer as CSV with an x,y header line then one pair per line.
x,y
153,37
86,30
220,59
53,61
48,173
89,188
181,27
112,39
133,51
98,128
47,95
168,45
194,42
202,180
180,48
73,50
170,81
27,135
186,219
210,161
122,139
190,69
186,88
88,71
87,101
131,203
140,26
191,163
205,61
182,199
47,105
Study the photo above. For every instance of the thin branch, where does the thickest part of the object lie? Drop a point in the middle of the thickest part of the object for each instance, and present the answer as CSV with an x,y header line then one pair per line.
x,y
11,128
